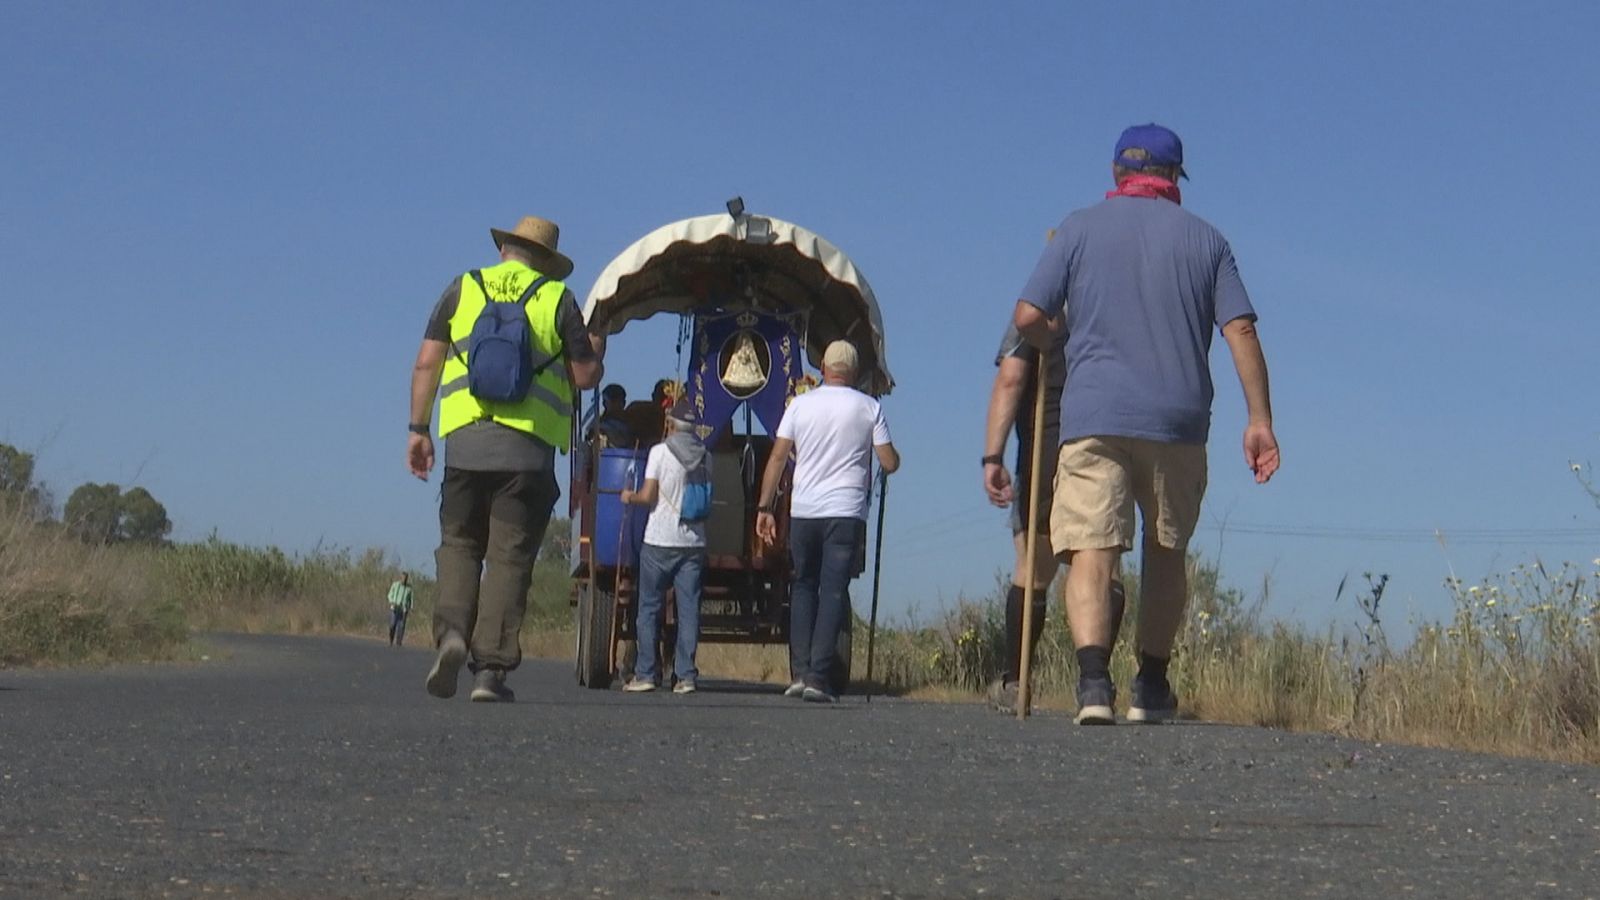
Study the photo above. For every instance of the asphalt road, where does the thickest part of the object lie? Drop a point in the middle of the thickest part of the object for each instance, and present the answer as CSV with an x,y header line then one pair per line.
x,y
290,767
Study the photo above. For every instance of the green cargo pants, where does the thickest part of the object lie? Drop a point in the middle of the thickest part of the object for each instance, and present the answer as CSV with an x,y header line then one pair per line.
x,y
498,518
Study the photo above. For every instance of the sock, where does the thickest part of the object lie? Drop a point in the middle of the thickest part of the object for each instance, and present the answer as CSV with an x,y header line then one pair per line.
x,y
1094,662
1153,668
1013,658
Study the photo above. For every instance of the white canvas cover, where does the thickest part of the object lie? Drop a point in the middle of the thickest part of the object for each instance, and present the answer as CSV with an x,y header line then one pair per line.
x,y
722,260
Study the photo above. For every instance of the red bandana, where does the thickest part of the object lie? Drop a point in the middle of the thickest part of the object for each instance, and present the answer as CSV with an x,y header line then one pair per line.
x,y
1148,186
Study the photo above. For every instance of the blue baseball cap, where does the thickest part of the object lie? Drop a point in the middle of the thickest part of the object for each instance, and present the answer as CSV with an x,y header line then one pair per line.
x,y
1161,147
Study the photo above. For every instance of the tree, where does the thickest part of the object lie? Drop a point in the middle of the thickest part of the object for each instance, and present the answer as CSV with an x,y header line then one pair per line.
x,y
16,470
143,518
104,514
94,513
17,487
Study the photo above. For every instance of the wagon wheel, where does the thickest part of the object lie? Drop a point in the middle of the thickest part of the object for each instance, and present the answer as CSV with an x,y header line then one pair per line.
x,y
582,591
595,605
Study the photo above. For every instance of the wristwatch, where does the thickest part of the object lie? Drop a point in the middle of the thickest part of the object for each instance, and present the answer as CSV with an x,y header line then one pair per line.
x,y
421,428
764,509
994,459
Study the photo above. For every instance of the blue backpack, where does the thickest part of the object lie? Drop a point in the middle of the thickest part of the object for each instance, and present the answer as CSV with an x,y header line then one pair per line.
x,y
500,348
696,506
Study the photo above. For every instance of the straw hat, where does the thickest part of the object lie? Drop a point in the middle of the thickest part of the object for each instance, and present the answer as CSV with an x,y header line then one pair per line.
x,y
540,237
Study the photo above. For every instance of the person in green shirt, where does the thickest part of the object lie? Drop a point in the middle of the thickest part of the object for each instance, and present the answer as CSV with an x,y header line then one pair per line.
x,y
399,608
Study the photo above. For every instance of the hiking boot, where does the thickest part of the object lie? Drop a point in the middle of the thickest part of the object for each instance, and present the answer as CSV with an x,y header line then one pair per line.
x,y
1003,696
1096,701
637,685
684,686
795,690
816,695
489,686
447,666
1153,701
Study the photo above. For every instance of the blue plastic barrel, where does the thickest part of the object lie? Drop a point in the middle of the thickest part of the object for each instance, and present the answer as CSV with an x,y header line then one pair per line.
x,y
618,529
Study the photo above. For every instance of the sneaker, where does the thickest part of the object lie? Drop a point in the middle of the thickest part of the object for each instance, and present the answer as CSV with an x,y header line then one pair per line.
x,y
489,686
815,695
684,686
1003,696
637,685
1153,701
795,690
1096,702
446,668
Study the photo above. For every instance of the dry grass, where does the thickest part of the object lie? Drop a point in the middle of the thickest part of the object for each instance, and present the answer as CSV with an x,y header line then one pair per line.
x,y
231,587
62,601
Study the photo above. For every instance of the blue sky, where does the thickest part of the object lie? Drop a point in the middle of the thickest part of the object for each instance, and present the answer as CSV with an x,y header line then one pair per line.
x,y
222,227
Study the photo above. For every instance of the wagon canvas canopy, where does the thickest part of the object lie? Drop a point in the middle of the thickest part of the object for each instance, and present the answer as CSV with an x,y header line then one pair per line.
x,y
746,262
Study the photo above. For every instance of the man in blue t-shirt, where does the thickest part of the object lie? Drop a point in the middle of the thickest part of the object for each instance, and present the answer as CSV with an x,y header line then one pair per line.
x,y
1137,283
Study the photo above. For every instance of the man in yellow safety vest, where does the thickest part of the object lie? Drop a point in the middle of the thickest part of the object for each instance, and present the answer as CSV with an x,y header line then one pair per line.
x,y
505,406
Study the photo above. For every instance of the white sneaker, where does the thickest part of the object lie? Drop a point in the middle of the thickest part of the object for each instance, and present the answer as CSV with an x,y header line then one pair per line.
x,y
813,695
795,690
639,686
686,686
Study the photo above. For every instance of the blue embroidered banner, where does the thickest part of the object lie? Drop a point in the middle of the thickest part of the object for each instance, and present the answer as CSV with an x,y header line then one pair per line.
x,y
739,358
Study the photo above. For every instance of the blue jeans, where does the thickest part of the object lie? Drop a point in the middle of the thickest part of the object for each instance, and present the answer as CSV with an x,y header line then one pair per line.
x,y
683,568
397,625
824,553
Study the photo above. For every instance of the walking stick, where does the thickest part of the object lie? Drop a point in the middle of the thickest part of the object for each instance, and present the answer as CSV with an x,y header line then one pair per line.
x,y
877,572
1024,691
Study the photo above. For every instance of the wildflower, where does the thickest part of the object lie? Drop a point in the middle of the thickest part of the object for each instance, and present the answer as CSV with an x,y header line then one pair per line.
x,y
1597,561
1577,468
1474,590
1489,602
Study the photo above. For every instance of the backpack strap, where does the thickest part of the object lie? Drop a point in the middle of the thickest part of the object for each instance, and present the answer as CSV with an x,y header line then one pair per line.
x,y
561,351
533,288
528,294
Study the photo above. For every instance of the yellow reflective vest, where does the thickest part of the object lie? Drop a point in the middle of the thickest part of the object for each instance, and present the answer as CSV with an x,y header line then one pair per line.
x,y
546,413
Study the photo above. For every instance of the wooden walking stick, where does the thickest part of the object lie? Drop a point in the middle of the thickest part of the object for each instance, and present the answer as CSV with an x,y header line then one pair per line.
x,y
1024,689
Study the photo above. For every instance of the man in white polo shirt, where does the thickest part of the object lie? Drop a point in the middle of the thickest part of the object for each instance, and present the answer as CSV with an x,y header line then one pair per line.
x,y
833,432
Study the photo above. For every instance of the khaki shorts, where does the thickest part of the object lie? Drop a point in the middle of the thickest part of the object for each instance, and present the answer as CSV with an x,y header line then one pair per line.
x,y
1099,480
